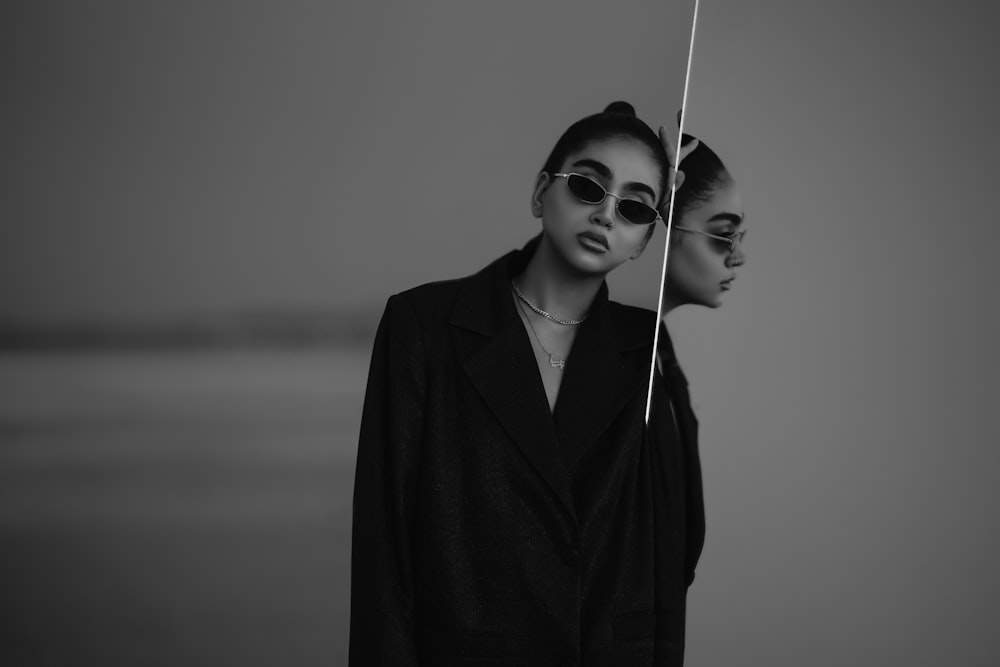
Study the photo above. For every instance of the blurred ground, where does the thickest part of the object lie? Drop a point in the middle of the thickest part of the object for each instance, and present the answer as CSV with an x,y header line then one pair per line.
x,y
177,508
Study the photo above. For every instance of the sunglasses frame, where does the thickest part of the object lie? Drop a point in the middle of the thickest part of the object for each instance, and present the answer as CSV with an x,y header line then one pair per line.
x,y
609,194
737,237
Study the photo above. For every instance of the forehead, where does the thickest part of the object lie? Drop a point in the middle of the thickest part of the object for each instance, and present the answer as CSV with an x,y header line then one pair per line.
x,y
628,160
724,199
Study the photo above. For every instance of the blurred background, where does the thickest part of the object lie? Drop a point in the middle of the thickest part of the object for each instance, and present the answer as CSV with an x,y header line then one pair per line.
x,y
846,390
205,206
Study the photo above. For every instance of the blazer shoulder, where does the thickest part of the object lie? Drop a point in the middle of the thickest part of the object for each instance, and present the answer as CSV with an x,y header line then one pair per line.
x,y
632,314
433,291
636,323
431,303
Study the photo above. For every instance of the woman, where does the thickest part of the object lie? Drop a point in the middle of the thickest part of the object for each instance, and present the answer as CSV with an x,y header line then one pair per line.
x,y
703,255
504,512
708,214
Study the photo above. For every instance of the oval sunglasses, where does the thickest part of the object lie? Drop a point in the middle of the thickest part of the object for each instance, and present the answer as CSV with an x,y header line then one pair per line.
x,y
730,241
590,191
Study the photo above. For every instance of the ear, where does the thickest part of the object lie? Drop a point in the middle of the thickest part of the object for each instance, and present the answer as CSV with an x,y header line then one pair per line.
x,y
542,183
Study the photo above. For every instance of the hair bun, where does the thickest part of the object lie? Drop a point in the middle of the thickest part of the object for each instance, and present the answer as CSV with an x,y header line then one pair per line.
x,y
620,107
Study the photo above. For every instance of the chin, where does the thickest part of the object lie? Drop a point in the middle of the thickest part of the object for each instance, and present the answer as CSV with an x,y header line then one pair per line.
x,y
712,302
589,263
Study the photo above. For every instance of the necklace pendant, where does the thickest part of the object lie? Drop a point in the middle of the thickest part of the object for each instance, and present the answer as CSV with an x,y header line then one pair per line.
x,y
557,363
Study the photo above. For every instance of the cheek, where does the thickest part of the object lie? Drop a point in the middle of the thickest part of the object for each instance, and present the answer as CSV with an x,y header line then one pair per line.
x,y
553,217
710,264
629,237
696,266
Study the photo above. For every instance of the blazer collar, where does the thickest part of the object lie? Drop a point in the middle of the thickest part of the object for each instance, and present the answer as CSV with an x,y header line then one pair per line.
x,y
603,372
485,304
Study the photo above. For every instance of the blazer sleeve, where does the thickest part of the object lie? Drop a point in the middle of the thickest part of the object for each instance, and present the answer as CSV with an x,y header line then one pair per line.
x,y
694,495
673,426
382,620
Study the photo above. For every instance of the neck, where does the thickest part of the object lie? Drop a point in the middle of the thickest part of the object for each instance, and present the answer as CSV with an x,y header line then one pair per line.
x,y
555,287
667,305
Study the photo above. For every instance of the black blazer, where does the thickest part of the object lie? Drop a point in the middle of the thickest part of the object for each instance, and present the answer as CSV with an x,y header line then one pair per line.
x,y
491,531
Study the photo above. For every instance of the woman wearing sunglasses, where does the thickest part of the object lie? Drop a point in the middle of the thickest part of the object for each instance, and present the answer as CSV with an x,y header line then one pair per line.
x,y
706,246
504,508
704,252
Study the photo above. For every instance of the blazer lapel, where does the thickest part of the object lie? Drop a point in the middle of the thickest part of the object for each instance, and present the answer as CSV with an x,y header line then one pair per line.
x,y
605,369
500,363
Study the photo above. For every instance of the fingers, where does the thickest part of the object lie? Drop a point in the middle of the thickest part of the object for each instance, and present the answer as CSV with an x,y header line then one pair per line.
x,y
672,176
668,147
675,177
686,149
672,154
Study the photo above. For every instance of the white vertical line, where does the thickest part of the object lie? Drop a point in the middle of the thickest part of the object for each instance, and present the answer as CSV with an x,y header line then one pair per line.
x,y
670,215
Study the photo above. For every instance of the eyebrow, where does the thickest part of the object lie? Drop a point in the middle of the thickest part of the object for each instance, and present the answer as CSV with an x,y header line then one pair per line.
x,y
603,171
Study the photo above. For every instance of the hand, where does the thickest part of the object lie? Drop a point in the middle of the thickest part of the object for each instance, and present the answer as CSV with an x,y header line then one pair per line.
x,y
675,177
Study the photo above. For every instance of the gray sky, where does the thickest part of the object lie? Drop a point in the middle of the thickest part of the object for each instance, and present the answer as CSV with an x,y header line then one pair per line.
x,y
166,158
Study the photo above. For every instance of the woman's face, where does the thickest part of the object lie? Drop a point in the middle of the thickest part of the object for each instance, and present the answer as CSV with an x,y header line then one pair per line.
x,y
593,238
700,269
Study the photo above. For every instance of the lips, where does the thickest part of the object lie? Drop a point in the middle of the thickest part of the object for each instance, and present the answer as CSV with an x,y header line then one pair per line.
x,y
594,240
727,284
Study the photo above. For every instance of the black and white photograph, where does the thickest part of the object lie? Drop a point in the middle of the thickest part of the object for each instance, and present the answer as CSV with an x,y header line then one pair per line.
x,y
459,333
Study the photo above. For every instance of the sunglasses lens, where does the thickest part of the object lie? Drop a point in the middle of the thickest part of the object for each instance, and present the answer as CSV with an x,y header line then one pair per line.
x,y
636,212
591,192
585,189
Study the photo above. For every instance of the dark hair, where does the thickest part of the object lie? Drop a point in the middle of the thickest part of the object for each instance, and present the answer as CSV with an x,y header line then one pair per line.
x,y
703,174
617,120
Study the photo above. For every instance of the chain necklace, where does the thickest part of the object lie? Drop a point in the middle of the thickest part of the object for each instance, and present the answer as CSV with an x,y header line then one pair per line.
x,y
553,362
541,312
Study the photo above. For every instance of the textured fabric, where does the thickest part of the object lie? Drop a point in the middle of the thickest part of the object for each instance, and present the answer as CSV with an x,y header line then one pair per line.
x,y
686,429
491,531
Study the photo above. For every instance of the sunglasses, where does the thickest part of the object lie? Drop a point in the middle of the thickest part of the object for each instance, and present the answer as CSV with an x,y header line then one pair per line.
x,y
730,240
590,191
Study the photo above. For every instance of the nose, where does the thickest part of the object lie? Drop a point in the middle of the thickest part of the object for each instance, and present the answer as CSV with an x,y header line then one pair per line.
x,y
736,257
605,212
